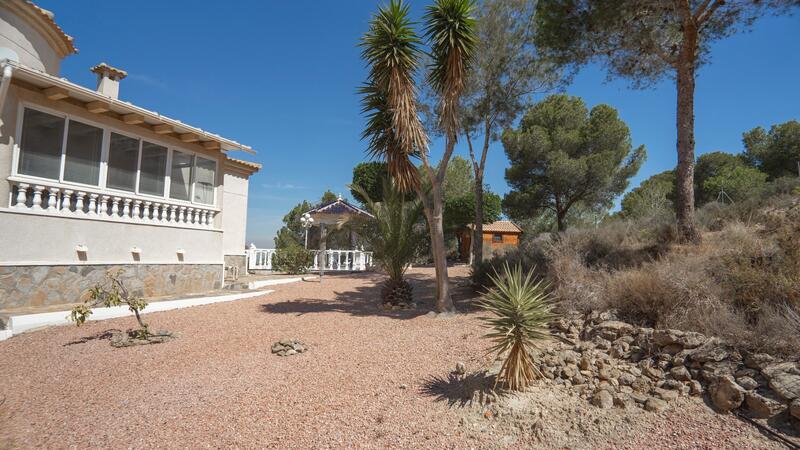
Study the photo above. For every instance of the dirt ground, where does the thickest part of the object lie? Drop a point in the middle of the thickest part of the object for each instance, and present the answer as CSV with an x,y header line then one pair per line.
x,y
370,379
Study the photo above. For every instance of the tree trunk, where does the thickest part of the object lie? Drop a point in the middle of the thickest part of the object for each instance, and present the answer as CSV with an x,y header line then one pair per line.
x,y
684,189
560,216
477,235
433,207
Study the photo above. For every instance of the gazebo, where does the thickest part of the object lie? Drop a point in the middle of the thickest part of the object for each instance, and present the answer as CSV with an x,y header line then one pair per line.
x,y
334,214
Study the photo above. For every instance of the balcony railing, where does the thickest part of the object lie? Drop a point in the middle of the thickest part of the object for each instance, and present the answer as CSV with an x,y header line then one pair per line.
x,y
54,198
335,260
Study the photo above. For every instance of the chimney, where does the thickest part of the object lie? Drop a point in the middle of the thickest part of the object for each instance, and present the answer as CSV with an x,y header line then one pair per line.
x,y
108,79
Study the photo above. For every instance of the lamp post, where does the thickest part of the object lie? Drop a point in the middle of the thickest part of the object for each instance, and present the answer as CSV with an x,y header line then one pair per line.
x,y
306,221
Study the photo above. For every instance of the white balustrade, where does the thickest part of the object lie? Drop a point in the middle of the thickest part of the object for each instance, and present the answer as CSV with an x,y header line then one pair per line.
x,y
54,198
335,260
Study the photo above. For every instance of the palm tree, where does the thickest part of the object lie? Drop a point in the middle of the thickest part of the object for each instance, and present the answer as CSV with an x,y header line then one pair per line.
x,y
394,129
392,236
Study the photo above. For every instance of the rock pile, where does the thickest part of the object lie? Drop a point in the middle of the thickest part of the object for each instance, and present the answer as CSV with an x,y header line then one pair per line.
x,y
288,347
616,364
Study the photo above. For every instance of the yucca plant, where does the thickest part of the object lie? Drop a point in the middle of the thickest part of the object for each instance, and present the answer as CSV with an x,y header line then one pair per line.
x,y
521,309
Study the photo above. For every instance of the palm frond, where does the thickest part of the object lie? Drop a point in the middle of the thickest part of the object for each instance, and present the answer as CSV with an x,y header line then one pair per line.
x,y
521,310
451,29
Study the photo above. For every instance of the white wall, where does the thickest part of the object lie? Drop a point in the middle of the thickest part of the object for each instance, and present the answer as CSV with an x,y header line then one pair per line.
x,y
234,212
31,47
32,238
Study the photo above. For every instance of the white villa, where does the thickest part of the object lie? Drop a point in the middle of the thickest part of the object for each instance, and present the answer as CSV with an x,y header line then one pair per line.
x,y
92,183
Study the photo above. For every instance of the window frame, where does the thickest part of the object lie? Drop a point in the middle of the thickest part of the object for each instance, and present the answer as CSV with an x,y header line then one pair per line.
x,y
495,237
104,158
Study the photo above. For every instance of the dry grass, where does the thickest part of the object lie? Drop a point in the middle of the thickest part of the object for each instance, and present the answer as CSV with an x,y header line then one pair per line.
x,y
741,284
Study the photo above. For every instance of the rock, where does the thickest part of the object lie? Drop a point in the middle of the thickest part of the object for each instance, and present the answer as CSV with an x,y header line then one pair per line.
x,y
762,407
710,351
784,379
758,360
680,373
746,372
585,363
666,395
655,405
603,399
683,339
673,385
461,368
623,401
794,409
604,373
626,379
276,347
747,383
403,386
600,343
695,388
638,397
653,373
713,370
613,329
726,394
291,352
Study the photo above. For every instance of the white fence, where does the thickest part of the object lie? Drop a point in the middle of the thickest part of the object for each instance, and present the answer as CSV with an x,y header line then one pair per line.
x,y
335,260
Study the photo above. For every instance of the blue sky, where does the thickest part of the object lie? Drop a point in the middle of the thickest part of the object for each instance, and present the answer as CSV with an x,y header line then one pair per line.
x,y
281,76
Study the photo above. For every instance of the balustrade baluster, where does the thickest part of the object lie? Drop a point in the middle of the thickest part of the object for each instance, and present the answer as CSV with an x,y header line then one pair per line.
x,y
79,202
22,195
52,199
115,206
182,214
137,209
103,206
126,208
66,201
146,211
37,197
93,204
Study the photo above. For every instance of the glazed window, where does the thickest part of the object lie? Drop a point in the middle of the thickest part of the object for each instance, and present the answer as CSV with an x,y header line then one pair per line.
x,y
71,151
82,155
40,147
181,176
153,169
205,170
497,238
123,162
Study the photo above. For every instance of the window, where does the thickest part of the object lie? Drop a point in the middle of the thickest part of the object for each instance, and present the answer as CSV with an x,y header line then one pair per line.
x,y
82,156
204,180
132,164
40,147
497,238
181,176
123,160
153,169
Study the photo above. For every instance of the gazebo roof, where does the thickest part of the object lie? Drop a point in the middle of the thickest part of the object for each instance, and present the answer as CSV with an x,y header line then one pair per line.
x,y
332,212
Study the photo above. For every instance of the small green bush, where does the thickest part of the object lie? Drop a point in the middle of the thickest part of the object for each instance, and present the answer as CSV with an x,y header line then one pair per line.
x,y
292,260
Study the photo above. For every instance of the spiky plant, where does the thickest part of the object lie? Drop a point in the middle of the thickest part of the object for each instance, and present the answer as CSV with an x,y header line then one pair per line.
x,y
393,237
521,309
391,49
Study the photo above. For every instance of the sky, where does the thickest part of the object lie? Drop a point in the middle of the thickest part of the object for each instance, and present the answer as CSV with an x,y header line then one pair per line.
x,y
281,77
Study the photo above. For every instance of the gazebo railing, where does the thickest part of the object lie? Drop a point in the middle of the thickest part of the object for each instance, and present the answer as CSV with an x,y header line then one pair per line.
x,y
335,260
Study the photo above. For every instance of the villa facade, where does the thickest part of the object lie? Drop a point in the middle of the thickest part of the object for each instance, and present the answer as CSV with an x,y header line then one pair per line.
x,y
92,183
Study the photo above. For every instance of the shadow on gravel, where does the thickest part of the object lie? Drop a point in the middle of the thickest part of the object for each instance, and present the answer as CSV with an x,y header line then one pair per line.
x,y
459,391
107,334
365,300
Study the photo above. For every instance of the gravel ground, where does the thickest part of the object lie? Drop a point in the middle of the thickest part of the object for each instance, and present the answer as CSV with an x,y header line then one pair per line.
x,y
368,380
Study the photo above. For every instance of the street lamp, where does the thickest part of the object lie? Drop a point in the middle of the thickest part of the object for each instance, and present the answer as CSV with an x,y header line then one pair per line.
x,y
306,221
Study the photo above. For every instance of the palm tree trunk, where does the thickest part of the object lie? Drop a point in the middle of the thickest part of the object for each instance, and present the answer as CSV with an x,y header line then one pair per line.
x,y
684,206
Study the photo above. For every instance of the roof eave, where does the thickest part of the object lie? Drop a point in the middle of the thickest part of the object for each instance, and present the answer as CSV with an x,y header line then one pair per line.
x,y
80,92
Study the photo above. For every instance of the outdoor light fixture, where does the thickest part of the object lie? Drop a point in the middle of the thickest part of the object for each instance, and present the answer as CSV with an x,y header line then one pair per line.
x,y
136,250
306,221
81,248
181,251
